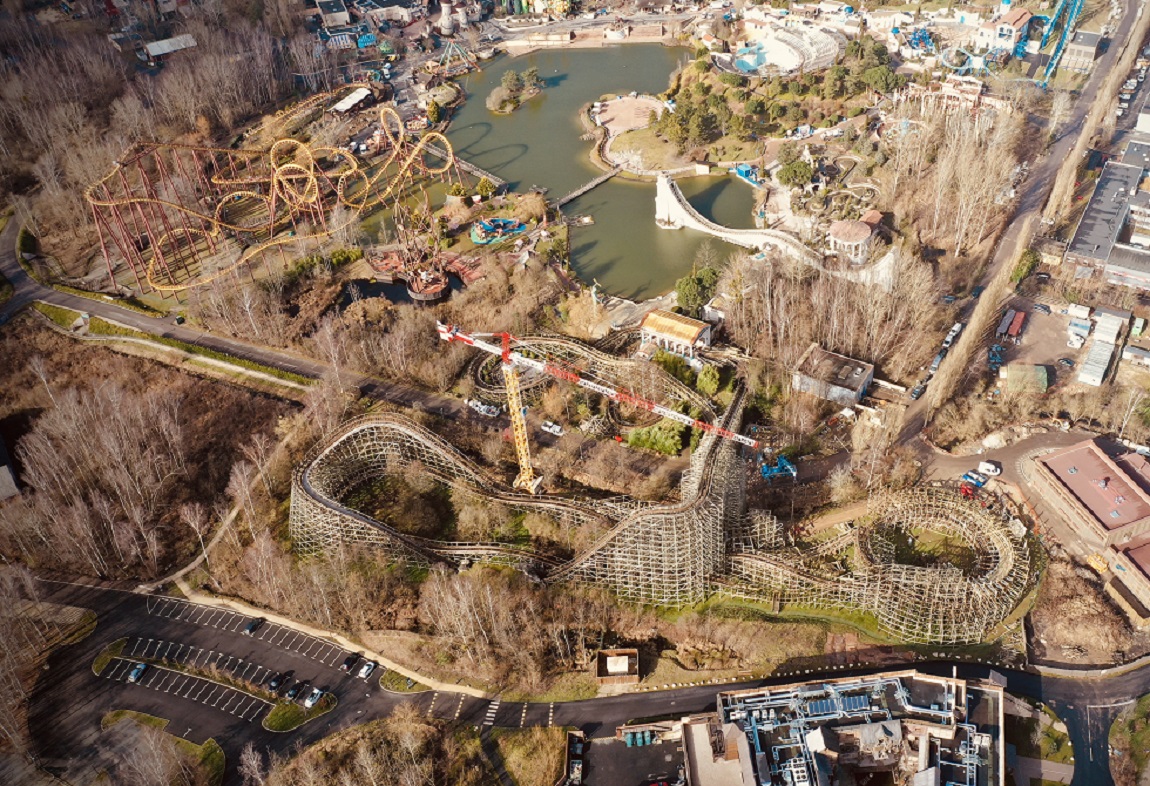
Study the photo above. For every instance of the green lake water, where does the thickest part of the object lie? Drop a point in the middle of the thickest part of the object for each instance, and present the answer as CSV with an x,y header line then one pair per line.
x,y
539,145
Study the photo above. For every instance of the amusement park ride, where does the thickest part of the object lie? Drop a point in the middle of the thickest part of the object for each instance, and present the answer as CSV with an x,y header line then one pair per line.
x,y
512,361
182,216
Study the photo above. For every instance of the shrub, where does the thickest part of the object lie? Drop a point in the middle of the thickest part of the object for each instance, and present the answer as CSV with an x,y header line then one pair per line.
x,y
708,381
1026,265
664,437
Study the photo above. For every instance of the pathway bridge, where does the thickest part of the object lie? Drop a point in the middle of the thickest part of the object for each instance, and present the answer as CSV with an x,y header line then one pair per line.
x,y
466,166
583,189
673,211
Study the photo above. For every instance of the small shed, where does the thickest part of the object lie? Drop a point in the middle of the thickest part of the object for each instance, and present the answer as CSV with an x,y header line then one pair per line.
x,y
617,667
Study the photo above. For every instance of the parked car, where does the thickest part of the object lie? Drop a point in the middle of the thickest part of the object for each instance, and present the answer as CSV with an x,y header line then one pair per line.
x,y
553,428
917,392
315,695
1076,342
137,672
367,669
974,479
253,626
1042,276
977,291
276,681
349,662
991,468
1042,308
294,691
1066,362
948,299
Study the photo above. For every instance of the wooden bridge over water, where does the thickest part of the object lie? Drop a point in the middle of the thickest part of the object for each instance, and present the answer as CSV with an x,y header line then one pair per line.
x,y
583,189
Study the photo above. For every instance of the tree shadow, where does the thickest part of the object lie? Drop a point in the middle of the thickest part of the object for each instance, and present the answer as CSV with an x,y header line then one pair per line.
x,y
494,757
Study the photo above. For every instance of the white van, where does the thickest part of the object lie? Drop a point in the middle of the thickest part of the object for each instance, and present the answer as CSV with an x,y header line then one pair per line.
x,y
991,468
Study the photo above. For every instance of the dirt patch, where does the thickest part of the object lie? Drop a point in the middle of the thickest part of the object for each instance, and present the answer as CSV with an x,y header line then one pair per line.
x,y
628,113
1074,622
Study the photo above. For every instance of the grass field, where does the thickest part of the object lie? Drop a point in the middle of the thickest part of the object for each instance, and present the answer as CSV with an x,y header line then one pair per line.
x,y
102,660
532,757
397,683
288,715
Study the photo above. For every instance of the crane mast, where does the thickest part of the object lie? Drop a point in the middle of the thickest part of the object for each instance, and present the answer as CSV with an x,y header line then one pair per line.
x,y
512,361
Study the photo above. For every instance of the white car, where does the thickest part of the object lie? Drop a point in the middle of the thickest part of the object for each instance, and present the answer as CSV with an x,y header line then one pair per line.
x,y
487,410
1076,342
367,670
991,468
312,698
552,428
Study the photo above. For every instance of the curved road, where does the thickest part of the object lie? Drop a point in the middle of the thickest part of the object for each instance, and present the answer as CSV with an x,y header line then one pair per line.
x,y
69,699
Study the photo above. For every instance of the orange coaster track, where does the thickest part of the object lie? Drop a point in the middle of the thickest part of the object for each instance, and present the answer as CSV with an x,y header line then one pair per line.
x,y
182,216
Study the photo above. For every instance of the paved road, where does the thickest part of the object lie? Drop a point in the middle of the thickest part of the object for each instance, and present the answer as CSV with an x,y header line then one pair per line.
x,y
69,699
1034,193
28,290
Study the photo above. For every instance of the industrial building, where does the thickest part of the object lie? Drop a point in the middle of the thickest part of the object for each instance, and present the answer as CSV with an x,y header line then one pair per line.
x,y
831,376
675,333
1109,324
1081,50
903,725
1106,501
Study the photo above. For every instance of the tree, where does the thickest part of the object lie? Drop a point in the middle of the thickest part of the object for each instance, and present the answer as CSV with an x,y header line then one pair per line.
x,y
485,188
695,290
434,112
796,173
530,78
755,106
882,79
512,82
708,382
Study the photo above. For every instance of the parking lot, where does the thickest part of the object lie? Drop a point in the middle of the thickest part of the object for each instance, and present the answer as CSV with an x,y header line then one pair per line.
x,y
203,691
310,647
197,658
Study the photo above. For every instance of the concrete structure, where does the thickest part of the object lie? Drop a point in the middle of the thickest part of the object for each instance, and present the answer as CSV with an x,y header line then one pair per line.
x,y
780,47
673,211
851,240
903,725
831,376
1080,52
716,754
617,667
1105,500
675,333
333,13
1113,234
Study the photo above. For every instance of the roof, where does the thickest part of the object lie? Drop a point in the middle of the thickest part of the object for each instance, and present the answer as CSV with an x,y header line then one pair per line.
x,y
872,218
1112,492
1098,230
1140,556
851,231
332,6
681,329
349,101
1017,18
834,369
1082,38
169,45
1137,154
705,768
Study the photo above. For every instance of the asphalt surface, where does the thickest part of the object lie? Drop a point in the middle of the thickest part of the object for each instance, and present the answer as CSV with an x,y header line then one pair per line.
x,y
69,700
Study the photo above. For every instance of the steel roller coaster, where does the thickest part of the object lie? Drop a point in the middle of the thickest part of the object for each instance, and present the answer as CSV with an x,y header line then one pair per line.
x,y
182,216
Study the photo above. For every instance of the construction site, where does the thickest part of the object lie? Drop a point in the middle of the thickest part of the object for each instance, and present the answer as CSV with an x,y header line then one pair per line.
x,y
930,564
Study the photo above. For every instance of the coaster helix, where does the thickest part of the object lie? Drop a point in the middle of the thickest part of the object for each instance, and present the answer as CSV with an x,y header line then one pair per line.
x,y
182,216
